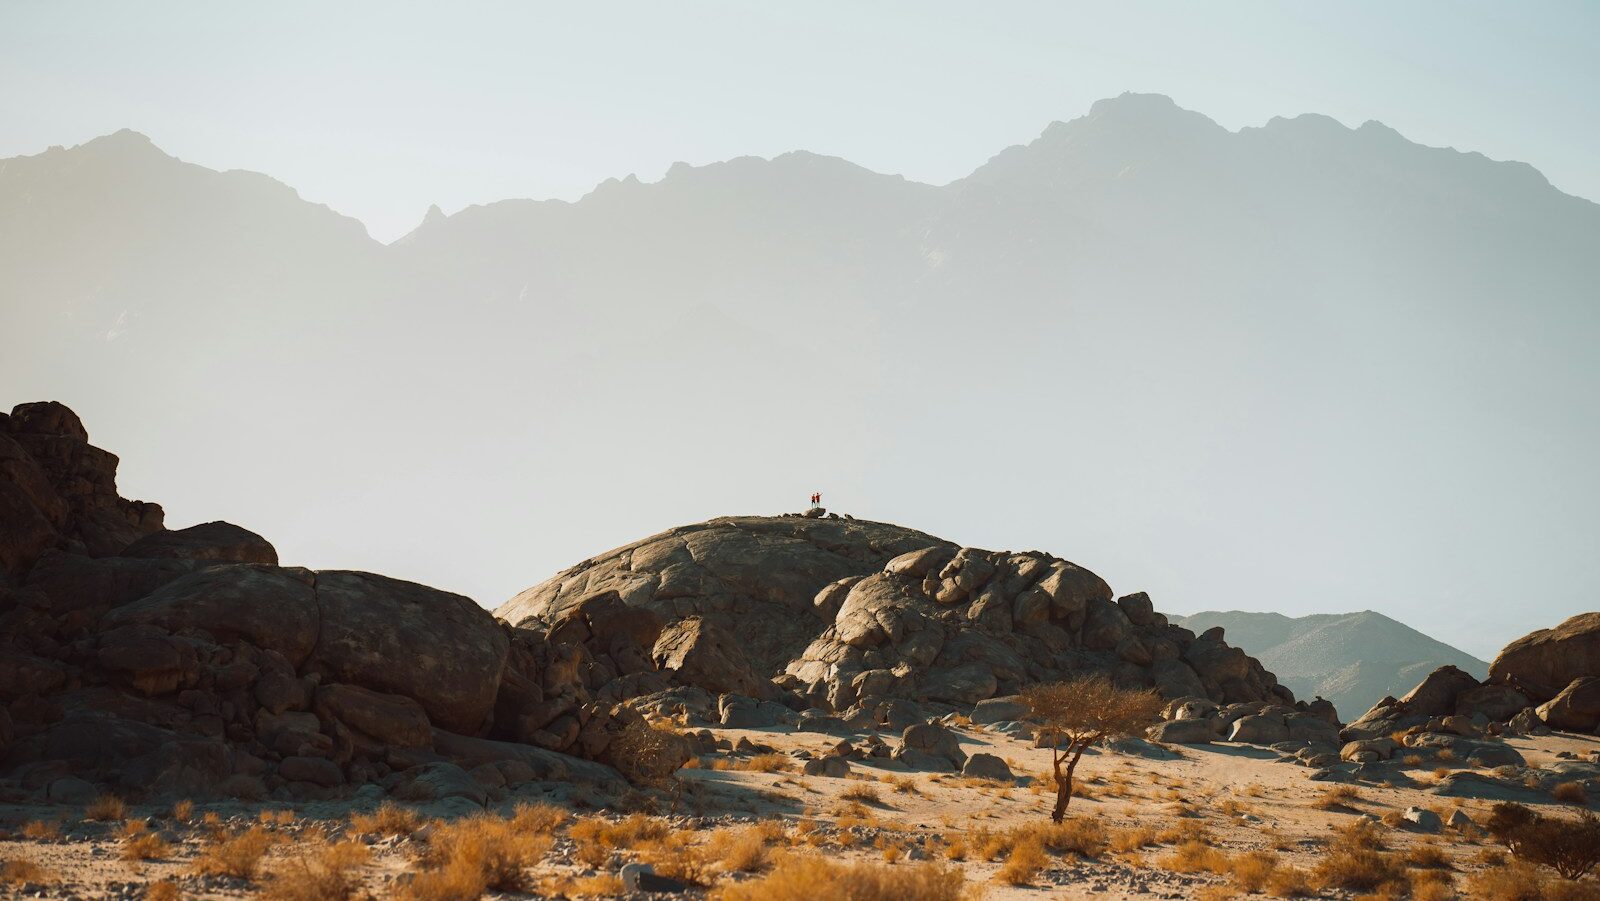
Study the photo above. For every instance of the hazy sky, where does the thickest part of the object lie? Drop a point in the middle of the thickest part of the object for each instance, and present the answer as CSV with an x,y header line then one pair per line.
x,y
379,109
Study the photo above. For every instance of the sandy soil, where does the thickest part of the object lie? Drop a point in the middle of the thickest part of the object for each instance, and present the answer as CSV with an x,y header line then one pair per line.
x,y
1241,794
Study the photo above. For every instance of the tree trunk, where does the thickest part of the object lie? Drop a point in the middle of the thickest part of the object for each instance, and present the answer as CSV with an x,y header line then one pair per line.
x,y
1064,785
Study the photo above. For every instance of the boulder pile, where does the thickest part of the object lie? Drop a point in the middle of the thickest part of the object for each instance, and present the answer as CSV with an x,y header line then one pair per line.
x,y
1549,679
188,662
847,615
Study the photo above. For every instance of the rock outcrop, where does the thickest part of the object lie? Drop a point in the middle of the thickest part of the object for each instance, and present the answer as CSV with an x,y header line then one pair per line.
x,y
189,662
1541,664
1549,679
845,613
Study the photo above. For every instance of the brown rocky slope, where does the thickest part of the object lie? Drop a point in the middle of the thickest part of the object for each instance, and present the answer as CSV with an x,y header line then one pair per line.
x,y
837,613
188,662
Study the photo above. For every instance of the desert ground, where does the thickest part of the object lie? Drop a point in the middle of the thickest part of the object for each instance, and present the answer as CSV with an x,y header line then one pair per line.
x,y
1148,821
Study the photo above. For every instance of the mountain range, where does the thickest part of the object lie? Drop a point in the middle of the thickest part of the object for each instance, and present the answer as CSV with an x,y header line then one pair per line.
x,y
1351,659
1299,360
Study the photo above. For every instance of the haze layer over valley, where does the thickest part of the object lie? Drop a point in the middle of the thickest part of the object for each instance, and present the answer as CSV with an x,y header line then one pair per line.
x,y
1297,367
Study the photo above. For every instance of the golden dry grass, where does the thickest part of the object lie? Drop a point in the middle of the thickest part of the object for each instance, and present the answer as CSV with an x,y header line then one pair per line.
x,y
760,763
323,873
106,808
739,849
866,794
1426,857
1338,797
595,839
808,877
183,811
476,854
1570,793
20,871
1022,864
237,855
42,830
165,890
389,819
140,844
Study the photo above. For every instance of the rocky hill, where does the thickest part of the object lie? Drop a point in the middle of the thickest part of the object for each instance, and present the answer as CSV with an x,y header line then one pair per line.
x,y
1351,659
851,614
192,662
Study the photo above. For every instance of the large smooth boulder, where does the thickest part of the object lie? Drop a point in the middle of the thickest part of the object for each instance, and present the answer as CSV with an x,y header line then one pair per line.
x,y
1184,732
1259,729
987,766
396,637
695,651
1541,663
214,541
1436,694
930,746
383,719
1496,703
1576,708
995,710
271,608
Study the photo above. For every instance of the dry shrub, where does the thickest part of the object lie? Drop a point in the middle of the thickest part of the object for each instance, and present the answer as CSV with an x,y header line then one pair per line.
x,y
905,785
1132,838
1356,868
1517,881
866,794
1339,797
183,811
1024,862
1251,871
42,830
389,819
165,890
485,852
1427,857
1290,882
321,874
1431,885
1570,793
539,819
738,849
106,808
1196,857
1570,847
766,763
238,855
142,845
20,871
1360,834
595,839
808,877
1412,760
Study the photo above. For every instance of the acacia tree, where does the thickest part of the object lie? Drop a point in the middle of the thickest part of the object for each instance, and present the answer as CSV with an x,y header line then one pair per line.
x,y
1075,714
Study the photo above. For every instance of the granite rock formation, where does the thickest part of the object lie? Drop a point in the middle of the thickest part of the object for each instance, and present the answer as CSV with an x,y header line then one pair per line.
x,y
839,613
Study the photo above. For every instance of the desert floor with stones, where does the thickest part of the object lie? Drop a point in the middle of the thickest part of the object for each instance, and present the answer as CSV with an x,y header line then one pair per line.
x,y
1215,821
